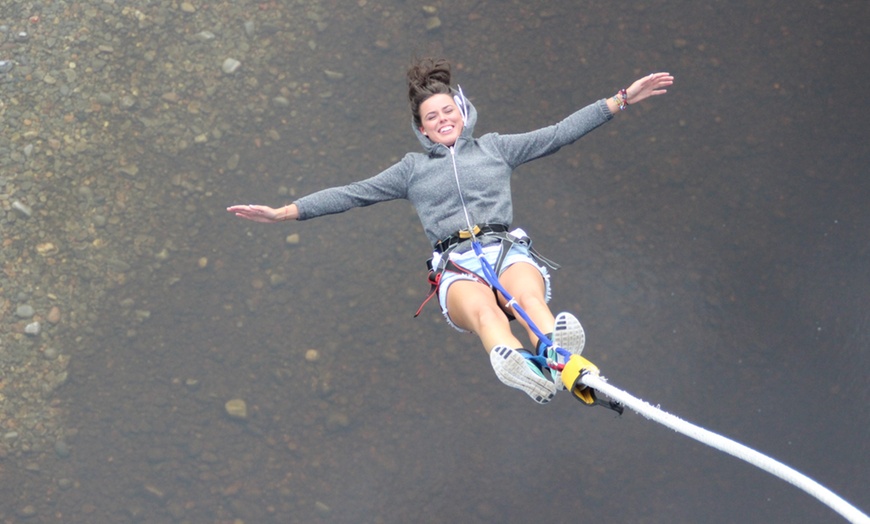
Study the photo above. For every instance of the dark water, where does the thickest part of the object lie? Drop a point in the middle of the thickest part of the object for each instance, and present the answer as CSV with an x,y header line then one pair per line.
x,y
714,243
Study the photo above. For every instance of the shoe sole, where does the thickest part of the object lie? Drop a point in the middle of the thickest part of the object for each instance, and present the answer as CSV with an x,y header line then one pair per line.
x,y
568,334
514,370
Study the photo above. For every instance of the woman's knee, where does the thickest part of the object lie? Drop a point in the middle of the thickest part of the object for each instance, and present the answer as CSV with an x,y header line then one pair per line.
x,y
471,305
527,288
531,299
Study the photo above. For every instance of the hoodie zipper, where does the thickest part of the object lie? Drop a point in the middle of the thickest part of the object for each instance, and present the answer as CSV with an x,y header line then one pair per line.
x,y
459,187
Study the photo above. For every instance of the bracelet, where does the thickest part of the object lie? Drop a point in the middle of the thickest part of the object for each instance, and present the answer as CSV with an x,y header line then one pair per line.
x,y
621,99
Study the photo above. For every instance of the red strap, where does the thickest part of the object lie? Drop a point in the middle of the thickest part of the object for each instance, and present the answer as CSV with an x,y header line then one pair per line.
x,y
435,282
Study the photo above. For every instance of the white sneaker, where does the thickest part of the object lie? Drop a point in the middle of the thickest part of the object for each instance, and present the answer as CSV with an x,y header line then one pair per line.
x,y
568,334
516,371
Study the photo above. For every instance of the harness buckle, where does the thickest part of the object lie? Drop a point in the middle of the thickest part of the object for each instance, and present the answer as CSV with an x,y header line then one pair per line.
x,y
466,234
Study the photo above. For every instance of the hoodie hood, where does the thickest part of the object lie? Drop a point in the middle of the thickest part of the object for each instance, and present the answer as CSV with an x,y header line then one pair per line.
x,y
432,148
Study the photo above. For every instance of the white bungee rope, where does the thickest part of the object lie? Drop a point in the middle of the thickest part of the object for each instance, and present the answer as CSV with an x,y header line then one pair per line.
x,y
714,440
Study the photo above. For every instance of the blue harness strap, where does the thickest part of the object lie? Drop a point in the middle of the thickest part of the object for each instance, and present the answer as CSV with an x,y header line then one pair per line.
x,y
492,279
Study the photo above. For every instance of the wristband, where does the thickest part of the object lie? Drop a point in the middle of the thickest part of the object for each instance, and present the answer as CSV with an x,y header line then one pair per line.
x,y
621,99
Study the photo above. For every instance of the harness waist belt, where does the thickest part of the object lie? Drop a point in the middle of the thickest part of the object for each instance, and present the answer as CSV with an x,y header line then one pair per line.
x,y
460,236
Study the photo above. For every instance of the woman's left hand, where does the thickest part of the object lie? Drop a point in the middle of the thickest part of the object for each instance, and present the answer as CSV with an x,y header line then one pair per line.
x,y
651,85
264,214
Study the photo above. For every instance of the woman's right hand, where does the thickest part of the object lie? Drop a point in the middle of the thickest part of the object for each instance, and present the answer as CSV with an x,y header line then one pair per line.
x,y
264,214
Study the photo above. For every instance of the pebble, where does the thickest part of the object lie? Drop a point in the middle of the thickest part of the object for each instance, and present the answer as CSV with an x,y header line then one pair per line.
x,y
32,329
250,28
64,483
61,448
128,102
187,7
104,99
231,65
53,316
312,355
23,209
321,508
204,36
6,66
333,75
237,408
27,511
24,311
233,161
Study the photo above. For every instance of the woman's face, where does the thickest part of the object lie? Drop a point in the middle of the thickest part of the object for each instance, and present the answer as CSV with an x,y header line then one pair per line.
x,y
441,120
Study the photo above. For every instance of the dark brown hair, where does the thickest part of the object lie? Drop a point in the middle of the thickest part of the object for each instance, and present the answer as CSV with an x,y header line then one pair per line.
x,y
427,77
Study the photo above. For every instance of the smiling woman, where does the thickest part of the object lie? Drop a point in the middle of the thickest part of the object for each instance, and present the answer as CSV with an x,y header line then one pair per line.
x,y
442,122
460,188
435,111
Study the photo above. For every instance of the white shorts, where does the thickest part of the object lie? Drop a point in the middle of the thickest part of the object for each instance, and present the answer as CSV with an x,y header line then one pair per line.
x,y
468,260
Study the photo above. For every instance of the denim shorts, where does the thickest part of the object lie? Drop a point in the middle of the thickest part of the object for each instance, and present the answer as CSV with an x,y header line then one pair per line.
x,y
468,260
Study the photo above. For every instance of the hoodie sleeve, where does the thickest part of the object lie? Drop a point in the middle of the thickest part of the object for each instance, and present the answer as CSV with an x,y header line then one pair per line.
x,y
520,148
390,184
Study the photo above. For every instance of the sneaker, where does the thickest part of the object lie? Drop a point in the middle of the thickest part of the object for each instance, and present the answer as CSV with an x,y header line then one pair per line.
x,y
516,371
568,334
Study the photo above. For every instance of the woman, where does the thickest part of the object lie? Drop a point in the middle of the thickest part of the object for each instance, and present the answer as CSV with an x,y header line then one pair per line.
x,y
460,187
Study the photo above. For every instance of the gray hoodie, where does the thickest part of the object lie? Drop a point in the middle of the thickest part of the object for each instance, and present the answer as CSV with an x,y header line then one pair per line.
x,y
483,168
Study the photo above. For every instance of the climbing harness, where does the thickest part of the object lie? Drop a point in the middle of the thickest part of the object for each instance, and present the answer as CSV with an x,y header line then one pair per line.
x,y
583,380
441,261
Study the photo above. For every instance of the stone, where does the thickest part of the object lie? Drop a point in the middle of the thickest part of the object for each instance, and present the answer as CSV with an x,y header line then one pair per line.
x,y
230,66
24,311
237,409
22,209
33,329
53,316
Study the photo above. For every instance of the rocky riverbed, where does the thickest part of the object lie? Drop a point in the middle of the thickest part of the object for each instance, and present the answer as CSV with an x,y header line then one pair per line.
x,y
116,121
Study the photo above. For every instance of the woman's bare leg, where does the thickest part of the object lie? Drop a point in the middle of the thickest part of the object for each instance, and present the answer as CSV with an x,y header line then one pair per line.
x,y
526,285
472,306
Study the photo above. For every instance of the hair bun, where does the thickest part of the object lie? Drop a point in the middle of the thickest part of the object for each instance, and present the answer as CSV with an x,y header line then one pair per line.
x,y
426,77
427,71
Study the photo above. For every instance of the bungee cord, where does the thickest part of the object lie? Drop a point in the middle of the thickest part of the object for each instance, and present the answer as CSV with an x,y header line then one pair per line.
x,y
727,445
